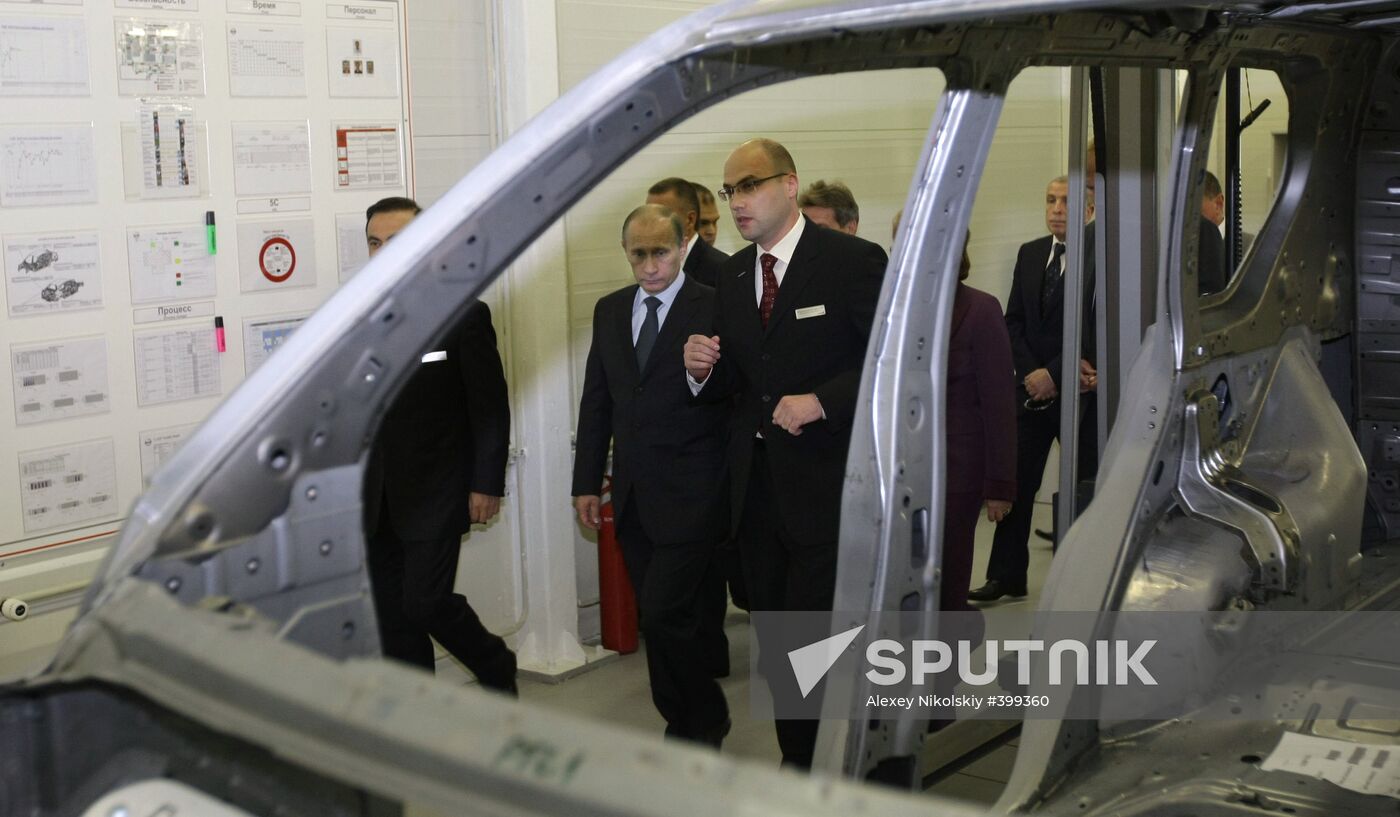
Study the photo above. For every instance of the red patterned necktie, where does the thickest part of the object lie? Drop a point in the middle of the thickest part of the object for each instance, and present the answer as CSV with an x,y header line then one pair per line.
x,y
770,287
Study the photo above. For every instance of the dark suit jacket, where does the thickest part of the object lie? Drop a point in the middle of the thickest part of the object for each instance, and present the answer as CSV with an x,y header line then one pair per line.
x,y
1036,340
447,434
823,354
981,407
704,263
668,447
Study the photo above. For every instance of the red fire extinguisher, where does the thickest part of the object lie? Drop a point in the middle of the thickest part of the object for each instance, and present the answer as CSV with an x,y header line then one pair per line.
x,y
617,601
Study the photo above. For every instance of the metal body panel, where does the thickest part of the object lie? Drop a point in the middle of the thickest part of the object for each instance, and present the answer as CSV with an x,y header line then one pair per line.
x,y
239,520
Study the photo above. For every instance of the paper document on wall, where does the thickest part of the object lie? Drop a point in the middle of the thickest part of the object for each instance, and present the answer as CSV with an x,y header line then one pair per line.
x,y
159,58
176,364
352,252
265,60
168,145
68,485
43,165
363,61
276,254
56,380
368,156
159,445
45,274
263,336
169,263
271,158
43,56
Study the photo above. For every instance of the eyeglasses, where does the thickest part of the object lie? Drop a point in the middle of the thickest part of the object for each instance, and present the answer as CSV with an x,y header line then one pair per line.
x,y
746,188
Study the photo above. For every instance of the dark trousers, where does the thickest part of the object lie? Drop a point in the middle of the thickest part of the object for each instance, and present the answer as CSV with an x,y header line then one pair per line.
x,y
960,514
413,597
714,608
783,574
1035,432
668,580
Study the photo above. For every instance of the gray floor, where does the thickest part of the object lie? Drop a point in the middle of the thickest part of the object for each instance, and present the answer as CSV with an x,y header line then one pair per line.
x,y
617,691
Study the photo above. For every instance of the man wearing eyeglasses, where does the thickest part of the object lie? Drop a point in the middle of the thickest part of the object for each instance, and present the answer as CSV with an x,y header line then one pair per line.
x,y
793,316
1035,321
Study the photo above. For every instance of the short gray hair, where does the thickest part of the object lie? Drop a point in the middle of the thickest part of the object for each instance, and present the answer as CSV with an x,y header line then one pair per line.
x,y
658,212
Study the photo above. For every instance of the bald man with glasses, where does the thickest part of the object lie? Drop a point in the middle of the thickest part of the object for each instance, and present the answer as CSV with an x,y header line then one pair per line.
x,y
793,317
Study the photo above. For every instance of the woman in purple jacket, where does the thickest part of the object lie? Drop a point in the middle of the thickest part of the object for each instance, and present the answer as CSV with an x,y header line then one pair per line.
x,y
981,425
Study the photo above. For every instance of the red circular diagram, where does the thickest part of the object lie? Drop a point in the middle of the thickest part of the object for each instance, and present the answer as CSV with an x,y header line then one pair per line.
x,y
277,259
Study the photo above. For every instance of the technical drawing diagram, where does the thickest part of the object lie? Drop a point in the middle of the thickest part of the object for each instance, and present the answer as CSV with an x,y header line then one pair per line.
x,y
57,292
59,379
67,485
37,261
159,57
47,165
52,273
276,254
43,56
266,60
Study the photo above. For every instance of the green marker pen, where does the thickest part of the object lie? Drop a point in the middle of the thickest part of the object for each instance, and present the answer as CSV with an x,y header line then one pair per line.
x,y
209,231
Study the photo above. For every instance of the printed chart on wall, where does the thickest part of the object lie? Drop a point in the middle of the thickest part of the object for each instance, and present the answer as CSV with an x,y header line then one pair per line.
x,y
263,336
56,380
266,60
68,485
45,274
276,254
176,364
169,263
271,158
43,56
363,61
159,57
352,251
159,445
168,145
47,165
368,156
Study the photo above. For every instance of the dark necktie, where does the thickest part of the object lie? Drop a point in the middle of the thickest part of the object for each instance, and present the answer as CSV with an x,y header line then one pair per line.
x,y
1051,280
650,328
770,287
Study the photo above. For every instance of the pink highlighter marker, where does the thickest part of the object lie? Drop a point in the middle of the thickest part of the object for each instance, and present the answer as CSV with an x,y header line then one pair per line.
x,y
219,334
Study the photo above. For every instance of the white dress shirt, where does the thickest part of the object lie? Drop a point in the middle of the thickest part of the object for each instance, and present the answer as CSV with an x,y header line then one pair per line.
x,y
639,309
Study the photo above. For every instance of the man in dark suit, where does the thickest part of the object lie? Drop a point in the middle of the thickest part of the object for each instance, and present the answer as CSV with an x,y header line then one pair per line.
x,y
668,465
792,321
708,225
1035,321
437,466
701,261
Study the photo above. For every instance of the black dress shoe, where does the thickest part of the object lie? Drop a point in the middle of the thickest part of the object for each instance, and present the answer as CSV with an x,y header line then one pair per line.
x,y
994,589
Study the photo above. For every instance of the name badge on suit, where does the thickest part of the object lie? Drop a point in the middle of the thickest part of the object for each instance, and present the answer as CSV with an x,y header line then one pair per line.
x,y
434,357
811,311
